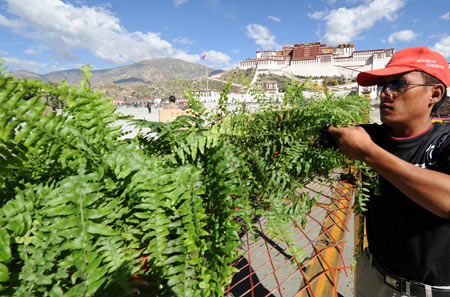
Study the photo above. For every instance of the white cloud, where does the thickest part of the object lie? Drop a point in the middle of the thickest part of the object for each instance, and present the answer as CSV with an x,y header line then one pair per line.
x,y
3,53
445,16
9,23
30,51
217,59
262,37
405,36
318,15
235,51
64,27
214,58
186,57
346,24
443,46
183,41
178,3
273,18
27,65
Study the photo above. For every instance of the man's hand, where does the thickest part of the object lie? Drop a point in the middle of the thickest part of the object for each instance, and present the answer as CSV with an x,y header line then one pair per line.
x,y
354,142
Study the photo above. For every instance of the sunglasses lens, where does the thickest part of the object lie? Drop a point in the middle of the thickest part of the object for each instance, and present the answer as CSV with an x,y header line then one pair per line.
x,y
395,85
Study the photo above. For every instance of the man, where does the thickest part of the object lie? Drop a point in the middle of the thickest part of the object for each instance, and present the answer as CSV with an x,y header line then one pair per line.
x,y
408,223
172,104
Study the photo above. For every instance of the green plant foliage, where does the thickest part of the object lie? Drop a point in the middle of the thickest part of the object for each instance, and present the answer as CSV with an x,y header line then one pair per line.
x,y
83,212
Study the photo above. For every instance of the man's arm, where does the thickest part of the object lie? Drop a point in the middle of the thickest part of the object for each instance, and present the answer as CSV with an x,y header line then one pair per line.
x,y
428,188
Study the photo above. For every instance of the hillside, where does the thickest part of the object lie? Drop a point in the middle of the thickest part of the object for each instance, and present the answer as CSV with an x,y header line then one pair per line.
x,y
160,78
162,89
26,74
237,75
144,72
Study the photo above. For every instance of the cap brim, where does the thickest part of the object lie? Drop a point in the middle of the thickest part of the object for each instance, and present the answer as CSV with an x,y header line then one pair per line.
x,y
374,77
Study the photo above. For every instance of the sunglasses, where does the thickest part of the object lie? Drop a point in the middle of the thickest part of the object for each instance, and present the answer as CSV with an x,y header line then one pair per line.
x,y
398,86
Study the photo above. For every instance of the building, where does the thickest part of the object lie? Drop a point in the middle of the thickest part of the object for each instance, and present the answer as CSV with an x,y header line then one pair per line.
x,y
138,102
269,86
316,59
210,98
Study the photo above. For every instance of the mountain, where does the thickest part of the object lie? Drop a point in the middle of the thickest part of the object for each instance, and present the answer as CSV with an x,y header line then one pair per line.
x,y
26,74
144,72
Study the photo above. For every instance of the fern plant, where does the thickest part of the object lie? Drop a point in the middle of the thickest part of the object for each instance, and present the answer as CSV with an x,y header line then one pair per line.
x,y
278,147
84,212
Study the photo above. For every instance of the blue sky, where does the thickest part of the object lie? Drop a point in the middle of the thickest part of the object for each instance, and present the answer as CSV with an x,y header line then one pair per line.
x,y
49,35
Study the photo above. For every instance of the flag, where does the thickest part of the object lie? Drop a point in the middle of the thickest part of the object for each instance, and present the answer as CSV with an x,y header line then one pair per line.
x,y
204,56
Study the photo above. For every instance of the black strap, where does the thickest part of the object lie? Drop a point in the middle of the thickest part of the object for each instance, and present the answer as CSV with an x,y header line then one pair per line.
x,y
400,284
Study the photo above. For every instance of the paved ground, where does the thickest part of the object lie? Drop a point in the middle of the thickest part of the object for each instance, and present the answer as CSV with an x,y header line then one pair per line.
x,y
375,112
346,278
138,113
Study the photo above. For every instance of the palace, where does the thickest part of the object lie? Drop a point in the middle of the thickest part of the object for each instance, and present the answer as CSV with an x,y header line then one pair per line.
x,y
316,59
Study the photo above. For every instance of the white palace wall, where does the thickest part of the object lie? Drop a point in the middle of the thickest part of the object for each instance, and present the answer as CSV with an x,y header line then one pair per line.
x,y
312,68
347,64
347,67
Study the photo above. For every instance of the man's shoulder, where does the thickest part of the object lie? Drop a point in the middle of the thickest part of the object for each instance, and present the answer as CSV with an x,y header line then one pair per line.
x,y
442,128
172,106
438,150
442,132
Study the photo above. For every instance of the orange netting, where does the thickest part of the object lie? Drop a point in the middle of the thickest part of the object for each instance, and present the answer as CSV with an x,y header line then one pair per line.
x,y
267,269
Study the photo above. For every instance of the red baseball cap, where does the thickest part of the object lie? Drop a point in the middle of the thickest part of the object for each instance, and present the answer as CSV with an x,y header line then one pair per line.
x,y
409,59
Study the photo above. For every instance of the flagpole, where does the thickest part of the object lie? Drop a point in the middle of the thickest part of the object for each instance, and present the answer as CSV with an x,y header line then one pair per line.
x,y
206,75
206,70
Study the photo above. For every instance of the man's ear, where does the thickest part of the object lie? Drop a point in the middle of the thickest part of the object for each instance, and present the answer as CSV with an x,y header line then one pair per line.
x,y
436,93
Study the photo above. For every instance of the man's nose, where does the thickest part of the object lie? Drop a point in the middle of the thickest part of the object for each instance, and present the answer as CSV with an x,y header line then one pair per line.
x,y
386,94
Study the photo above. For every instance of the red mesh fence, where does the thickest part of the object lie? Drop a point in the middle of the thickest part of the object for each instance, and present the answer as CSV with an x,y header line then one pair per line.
x,y
267,269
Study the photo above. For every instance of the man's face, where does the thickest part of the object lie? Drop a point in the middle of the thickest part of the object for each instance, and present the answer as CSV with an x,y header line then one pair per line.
x,y
410,103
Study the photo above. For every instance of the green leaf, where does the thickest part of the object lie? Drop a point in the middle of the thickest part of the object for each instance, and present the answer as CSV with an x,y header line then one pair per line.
x,y
95,228
176,269
174,259
74,244
4,273
16,224
92,214
5,250
94,286
56,291
176,279
201,144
